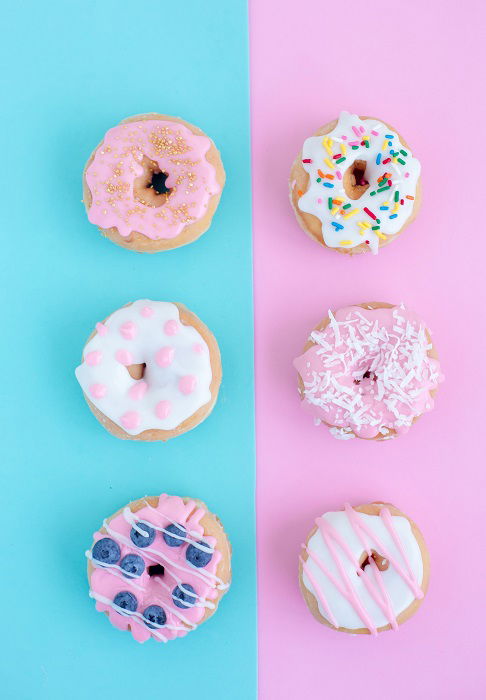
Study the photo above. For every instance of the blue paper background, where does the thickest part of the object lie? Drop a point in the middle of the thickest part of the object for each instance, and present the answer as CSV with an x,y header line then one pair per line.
x,y
71,71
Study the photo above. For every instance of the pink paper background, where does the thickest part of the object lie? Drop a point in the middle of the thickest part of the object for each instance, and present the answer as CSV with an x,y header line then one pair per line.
x,y
419,66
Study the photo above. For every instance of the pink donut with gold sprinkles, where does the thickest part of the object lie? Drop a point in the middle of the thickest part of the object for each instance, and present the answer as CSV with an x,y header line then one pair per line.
x,y
153,183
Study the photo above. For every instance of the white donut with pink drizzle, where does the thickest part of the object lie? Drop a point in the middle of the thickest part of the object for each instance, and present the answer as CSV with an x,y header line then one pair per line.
x,y
364,569
369,371
159,567
150,366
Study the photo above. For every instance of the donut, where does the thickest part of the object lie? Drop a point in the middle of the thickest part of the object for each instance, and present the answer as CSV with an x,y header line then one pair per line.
x,y
364,570
150,371
368,371
153,183
159,567
355,185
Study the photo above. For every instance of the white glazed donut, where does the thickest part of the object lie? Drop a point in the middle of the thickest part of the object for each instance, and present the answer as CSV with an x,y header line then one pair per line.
x,y
150,371
355,185
364,570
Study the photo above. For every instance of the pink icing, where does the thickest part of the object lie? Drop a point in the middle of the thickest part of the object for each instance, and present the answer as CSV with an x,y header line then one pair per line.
x,y
198,348
137,391
369,371
162,409
101,329
178,152
130,420
128,330
93,358
107,581
98,391
147,312
187,384
377,590
171,327
124,357
164,356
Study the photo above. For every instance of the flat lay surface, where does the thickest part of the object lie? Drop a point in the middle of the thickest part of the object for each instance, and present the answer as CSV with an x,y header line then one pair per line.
x,y
258,77
416,66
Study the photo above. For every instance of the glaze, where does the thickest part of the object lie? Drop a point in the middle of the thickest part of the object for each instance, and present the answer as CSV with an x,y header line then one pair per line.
x,y
391,172
351,594
176,380
200,588
369,372
116,165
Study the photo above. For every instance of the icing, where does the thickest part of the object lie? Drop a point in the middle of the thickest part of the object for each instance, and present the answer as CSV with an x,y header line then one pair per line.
x,y
180,580
353,590
391,171
176,380
369,372
177,151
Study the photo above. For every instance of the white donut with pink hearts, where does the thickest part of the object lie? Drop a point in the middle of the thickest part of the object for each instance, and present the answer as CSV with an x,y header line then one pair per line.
x,y
171,359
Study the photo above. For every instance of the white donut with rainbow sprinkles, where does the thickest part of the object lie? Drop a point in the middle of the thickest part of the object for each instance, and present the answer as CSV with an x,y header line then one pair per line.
x,y
150,371
355,185
369,371
364,570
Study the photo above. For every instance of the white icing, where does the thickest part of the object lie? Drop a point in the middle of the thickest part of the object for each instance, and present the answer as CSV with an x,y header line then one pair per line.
x,y
315,199
162,382
398,590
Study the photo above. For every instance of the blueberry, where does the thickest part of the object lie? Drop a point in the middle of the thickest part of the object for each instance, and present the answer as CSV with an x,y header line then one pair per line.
x,y
133,565
177,530
126,601
140,540
155,614
198,557
106,551
184,596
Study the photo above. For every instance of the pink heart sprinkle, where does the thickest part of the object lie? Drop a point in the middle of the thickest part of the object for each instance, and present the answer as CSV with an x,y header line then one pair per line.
x,y
147,312
124,357
98,391
187,384
198,348
319,200
171,327
101,329
162,409
130,420
128,330
138,390
164,356
93,358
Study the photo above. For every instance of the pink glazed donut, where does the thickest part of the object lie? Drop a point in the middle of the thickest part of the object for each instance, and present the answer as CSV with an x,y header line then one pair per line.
x,y
369,371
153,183
159,567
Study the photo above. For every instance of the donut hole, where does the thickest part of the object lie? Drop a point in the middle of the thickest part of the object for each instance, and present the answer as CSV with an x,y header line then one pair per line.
x,y
379,560
136,371
366,375
156,570
150,187
354,180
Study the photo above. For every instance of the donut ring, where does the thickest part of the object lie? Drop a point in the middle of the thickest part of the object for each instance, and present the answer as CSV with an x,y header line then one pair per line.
x,y
159,567
364,570
334,188
153,183
150,371
383,380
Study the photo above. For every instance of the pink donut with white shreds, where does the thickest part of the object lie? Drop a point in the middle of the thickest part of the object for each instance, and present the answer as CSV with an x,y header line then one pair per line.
x,y
153,183
369,371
